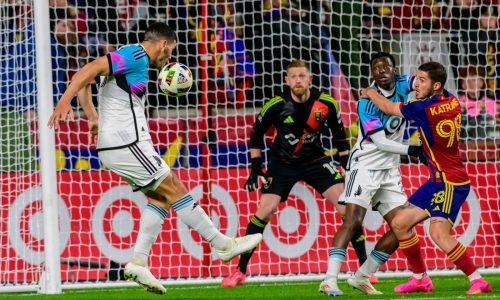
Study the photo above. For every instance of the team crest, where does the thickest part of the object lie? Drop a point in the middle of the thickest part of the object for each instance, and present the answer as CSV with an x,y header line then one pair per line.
x,y
318,113
268,182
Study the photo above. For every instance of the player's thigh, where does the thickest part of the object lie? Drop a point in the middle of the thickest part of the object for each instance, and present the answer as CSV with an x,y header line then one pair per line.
x,y
139,164
281,178
325,178
360,186
390,194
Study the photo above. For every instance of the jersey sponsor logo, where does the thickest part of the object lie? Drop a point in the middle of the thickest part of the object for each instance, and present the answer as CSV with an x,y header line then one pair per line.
x,y
393,124
292,139
443,108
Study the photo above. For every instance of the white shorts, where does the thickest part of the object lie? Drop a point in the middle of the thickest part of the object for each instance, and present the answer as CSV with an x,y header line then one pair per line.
x,y
140,165
380,188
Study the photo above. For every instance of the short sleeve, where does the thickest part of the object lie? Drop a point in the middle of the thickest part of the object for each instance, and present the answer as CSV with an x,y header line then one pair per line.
x,y
369,118
414,110
125,60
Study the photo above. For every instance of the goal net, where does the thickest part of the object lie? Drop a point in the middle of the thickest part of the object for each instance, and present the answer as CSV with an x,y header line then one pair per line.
x,y
249,46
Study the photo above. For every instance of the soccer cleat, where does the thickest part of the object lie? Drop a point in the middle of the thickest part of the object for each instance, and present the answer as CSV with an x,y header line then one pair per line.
x,y
363,285
239,246
143,277
236,278
479,286
416,285
373,279
329,287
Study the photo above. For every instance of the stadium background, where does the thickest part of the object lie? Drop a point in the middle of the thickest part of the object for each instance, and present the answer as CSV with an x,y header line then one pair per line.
x,y
204,135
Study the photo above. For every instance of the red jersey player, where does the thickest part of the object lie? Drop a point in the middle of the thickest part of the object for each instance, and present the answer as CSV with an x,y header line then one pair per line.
x,y
437,114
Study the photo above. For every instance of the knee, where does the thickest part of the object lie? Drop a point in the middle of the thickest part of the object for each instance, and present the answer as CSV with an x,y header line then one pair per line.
x,y
398,226
266,211
438,236
353,223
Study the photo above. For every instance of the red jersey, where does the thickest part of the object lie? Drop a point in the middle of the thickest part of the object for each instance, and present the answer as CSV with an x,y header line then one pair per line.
x,y
438,119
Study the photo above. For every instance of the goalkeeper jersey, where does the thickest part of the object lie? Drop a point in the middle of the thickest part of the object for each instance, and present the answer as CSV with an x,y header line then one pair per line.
x,y
299,126
122,120
365,153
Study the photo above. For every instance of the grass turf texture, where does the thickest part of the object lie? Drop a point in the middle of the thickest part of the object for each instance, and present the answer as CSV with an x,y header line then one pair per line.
x,y
445,287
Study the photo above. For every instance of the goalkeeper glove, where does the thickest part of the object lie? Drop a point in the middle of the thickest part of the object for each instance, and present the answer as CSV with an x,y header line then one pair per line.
x,y
253,180
416,151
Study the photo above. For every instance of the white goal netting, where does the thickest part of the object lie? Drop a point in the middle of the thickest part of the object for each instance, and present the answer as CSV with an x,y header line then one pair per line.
x,y
249,44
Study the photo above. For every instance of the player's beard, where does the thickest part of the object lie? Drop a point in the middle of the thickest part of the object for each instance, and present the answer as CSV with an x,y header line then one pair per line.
x,y
299,91
424,94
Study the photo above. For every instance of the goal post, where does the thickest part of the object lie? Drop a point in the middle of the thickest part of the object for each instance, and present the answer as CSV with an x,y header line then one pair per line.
x,y
238,52
50,279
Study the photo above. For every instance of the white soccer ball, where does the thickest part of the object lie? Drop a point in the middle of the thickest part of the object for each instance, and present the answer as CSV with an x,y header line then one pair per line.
x,y
175,79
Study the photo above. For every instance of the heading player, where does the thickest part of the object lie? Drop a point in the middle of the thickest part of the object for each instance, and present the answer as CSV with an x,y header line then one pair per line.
x,y
296,154
124,146
373,176
437,113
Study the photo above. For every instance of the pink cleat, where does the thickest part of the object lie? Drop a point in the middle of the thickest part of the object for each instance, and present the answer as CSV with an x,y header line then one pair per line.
x,y
236,278
416,285
373,279
479,286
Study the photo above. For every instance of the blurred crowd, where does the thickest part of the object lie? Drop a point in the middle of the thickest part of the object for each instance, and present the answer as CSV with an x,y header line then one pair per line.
x,y
250,43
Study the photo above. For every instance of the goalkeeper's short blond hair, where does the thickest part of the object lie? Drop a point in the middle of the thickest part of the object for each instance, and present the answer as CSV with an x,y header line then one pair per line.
x,y
297,63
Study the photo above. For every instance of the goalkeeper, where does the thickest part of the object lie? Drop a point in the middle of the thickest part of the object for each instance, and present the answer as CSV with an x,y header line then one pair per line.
x,y
296,154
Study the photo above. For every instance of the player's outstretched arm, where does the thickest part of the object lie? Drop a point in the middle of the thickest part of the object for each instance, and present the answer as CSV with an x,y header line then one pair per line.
x,y
382,102
81,79
85,98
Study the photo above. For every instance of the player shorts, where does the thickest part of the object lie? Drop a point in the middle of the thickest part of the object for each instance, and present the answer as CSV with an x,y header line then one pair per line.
x,y
321,174
439,199
139,164
380,188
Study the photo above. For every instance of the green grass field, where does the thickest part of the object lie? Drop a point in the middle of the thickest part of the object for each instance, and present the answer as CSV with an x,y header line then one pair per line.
x,y
446,287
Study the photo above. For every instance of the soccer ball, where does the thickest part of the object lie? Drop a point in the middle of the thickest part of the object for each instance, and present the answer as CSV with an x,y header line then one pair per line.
x,y
175,79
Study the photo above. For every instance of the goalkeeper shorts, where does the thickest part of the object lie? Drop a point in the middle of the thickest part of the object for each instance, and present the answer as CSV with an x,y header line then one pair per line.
x,y
321,174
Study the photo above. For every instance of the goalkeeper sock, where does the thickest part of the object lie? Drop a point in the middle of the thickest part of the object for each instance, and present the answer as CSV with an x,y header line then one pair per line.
x,y
150,227
195,217
358,243
335,260
372,263
459,256
411,249
255,225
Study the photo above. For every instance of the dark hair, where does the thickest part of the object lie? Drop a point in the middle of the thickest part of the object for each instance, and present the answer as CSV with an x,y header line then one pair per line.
x,y
436,71
382,55
297,63
158,31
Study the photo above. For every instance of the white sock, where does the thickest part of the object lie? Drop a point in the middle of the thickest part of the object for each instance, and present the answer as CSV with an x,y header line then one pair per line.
x,y
335,260
195,217
150,227
474,276
418,275
369,267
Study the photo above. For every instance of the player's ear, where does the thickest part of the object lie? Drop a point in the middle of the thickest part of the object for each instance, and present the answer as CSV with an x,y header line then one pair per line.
x,y
436,86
